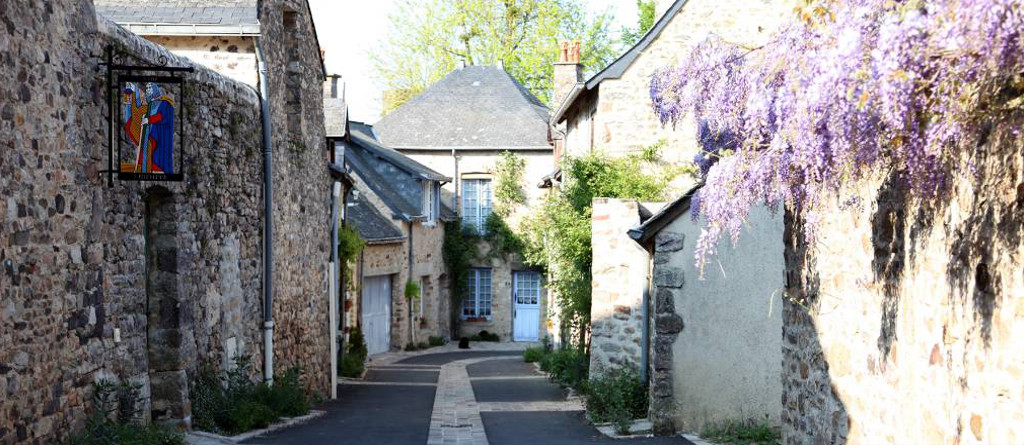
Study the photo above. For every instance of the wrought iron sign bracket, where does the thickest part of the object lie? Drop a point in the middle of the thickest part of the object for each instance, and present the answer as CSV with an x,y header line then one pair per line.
x,y
147,116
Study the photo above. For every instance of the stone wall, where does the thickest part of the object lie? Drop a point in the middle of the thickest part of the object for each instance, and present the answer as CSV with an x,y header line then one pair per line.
x,y
726,363
618,286
232,56
904,318
73,252
624,121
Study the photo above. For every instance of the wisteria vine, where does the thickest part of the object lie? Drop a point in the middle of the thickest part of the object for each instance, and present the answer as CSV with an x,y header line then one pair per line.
x,y
865,86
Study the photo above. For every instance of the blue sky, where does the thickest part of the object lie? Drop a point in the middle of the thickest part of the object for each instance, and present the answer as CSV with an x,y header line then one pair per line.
x,y
350,29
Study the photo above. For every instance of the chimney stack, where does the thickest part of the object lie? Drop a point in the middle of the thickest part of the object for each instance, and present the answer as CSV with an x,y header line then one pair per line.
x,y
568,71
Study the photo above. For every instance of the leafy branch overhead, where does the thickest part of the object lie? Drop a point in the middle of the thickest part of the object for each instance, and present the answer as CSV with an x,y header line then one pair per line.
x,y
428,38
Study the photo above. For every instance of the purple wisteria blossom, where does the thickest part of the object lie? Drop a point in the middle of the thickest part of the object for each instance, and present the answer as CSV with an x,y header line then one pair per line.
x,y
877,85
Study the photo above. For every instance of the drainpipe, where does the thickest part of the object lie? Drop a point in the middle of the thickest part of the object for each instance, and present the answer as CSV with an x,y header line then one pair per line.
x,y
646,336
334,289
412,326
268,224
455,182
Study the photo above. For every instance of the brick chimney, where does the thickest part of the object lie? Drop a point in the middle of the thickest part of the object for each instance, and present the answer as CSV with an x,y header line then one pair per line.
x,y
568,71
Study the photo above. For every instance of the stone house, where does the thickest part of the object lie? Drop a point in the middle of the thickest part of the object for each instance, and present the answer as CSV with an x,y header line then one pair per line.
x,y
611,113
460,126
715,342
145,282
396,208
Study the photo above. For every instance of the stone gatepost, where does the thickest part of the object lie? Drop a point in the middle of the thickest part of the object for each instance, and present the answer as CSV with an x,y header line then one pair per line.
x,y
667,325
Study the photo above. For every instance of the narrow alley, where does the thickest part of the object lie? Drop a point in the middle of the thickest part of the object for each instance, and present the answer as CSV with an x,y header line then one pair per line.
x,y
456,397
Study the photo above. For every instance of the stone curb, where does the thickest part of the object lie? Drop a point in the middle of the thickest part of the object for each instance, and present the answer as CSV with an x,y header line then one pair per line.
x,y
206,438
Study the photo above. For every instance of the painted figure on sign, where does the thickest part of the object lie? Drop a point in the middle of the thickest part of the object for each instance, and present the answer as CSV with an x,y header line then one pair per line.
x,y
149,126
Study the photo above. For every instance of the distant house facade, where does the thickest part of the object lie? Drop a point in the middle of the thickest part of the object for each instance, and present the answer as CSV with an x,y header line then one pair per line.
x,y
610,113
398,294
460,126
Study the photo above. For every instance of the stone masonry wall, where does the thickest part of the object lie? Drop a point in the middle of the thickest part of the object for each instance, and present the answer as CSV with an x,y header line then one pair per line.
x,y
727,361
624,121
73,261
538,164
904,318
232,56
619,282
302,191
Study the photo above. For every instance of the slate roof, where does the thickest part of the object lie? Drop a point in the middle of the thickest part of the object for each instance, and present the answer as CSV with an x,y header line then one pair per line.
x,y
372,226
362,150
364,136
645,232
193,12
476,107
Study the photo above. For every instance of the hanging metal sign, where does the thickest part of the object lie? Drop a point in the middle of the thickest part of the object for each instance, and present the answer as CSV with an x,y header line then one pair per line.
x,y
146,141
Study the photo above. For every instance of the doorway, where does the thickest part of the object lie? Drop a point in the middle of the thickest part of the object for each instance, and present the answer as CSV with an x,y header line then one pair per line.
x,y
526,303
376,311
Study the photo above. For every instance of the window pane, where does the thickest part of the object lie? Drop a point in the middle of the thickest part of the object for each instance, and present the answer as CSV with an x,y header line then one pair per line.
x,y
484,292
469,303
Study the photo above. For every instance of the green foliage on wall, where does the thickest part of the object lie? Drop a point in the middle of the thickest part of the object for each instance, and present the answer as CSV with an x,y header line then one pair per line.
x,y
350,244
459,251
508,183
556,236
412,290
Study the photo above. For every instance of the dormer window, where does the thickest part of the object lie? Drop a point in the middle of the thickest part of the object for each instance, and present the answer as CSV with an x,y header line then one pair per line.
x,y
431,201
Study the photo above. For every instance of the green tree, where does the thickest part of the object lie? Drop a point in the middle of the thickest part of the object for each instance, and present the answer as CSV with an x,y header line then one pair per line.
x,y
427,38
645,20
557,235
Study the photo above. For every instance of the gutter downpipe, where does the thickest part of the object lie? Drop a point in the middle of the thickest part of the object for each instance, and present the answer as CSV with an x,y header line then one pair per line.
x,y
268,223
333,293
342,269
408,300
646,336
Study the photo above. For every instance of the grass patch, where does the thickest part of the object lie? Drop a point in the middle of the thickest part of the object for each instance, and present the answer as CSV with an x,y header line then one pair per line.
x,y
747,432
116,420
232,403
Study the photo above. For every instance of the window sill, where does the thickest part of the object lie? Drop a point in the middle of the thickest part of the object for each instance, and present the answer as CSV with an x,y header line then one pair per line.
x,y
477,319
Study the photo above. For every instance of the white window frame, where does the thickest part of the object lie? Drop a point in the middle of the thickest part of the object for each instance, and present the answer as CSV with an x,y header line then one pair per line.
x,y
430,202
476,203
474,300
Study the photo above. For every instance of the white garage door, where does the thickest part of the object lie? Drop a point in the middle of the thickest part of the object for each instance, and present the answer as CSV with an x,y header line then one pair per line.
x,y
377,313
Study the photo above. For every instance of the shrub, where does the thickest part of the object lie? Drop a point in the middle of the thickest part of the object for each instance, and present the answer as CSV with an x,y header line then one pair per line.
x,y
351,366
411,347
124,428
231,402
568,367
436,341
357,344
617,397
531,355
423,345
742,432
485,336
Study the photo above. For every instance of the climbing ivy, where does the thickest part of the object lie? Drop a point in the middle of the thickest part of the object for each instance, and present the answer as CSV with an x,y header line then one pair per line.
x,y
556,236
508,184
459,251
